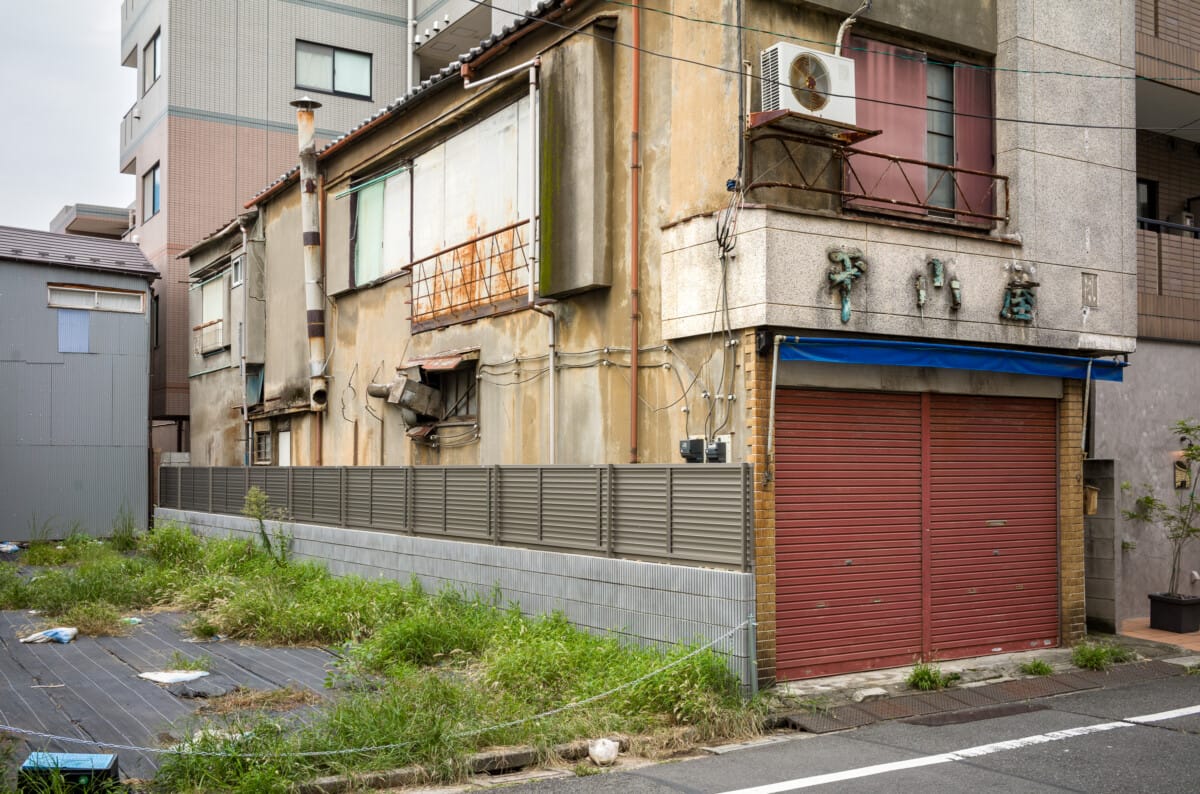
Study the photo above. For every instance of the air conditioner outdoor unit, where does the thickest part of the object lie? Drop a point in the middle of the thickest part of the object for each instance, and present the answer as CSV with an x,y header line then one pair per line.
x,y
807,81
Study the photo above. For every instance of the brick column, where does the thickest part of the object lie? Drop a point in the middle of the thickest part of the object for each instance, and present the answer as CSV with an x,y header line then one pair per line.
x,y
757,373
1072,604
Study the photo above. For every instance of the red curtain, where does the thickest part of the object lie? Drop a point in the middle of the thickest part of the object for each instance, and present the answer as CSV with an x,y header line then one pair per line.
x,y
973,138
890,86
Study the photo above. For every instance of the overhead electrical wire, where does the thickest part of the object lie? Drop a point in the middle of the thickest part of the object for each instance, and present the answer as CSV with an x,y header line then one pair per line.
x,y
889,103
901,56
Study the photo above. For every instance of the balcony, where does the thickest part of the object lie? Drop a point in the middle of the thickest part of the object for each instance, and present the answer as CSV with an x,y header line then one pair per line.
x,y
209,338
484,276
1168,281
790,153
132,126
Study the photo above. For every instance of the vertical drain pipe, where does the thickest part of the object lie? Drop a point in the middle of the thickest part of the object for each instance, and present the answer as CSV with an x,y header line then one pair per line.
x,y
532,258
635,184
314,298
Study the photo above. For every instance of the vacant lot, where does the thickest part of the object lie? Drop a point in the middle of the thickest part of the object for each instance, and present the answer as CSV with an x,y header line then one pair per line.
x,y
418,678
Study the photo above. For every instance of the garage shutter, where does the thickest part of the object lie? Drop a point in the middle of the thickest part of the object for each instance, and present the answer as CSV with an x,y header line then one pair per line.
x,y
848,531
993,525
859,585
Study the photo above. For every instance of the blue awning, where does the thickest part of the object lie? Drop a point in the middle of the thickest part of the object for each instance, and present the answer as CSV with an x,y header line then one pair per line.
x,y
894,353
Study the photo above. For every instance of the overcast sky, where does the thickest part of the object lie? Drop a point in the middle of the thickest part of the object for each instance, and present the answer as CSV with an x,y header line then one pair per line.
x,y
64,93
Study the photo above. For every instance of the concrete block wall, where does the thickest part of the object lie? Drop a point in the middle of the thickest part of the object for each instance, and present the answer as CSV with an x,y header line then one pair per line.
x,y
1102,548
646,603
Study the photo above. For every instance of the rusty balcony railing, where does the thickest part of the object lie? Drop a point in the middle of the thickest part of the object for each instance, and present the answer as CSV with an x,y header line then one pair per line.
x,y
483,276
868,181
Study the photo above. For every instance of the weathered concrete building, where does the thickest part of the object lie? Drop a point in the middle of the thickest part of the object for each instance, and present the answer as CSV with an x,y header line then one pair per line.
x,y
885,277
74,373
1131,439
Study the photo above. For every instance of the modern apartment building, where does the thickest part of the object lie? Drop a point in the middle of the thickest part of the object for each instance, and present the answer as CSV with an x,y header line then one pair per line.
x,y
1130,430
210,125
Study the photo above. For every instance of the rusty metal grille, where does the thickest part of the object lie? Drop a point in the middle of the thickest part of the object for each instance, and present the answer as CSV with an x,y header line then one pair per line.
x,y
485,275
831,167
673,513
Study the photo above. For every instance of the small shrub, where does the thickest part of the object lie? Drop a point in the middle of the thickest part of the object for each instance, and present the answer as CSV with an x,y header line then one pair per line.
x,y
124,531
95,619
1100,655
1036,667
202,629
257,506
929,677
171,544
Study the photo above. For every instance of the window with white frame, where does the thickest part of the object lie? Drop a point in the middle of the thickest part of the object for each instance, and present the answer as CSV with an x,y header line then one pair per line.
x,y
235,270
152,61
70,296
333,70
212,333
151,193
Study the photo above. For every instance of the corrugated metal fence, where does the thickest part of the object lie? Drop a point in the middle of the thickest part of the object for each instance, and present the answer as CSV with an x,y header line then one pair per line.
x,y
688,515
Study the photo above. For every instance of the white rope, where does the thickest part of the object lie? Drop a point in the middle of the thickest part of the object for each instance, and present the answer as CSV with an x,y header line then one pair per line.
x,y
379,747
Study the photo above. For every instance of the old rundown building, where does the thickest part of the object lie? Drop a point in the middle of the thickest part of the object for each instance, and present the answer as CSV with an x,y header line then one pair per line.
x,y
883,263
74,373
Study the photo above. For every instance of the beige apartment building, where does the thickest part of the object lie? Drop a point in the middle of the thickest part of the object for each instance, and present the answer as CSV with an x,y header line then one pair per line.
x,y
210,125
885,260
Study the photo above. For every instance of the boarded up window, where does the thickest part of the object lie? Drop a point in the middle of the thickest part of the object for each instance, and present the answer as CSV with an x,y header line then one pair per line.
x,y
73,325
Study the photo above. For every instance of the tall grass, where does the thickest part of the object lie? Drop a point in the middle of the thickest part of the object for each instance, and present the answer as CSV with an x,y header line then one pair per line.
x,y
433,674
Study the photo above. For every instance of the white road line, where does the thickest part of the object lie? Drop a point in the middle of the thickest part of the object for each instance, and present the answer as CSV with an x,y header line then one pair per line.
x,y
959,755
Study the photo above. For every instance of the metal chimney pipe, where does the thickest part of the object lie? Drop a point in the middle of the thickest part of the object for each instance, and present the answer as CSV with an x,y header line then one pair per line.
x,y
314,297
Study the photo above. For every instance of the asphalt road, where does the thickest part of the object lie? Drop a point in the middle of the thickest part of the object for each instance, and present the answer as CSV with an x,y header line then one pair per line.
x,y
1090,741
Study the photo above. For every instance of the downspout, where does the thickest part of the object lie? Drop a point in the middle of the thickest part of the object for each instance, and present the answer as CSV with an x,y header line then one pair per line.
x,y
635,183
314,299
242,340
771,421
409,44
847,24
532,258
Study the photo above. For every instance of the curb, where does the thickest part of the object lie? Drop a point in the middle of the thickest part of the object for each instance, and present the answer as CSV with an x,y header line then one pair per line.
x,y
840,718
499,760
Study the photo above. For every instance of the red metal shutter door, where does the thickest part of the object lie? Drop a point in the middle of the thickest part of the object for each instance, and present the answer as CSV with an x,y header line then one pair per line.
x,y
848,531
993,529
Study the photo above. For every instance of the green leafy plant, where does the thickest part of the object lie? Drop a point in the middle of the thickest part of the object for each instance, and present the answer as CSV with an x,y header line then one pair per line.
x,y
928,677
95,619
1096,655
1179,520
257,506
1036,667
180,661
123,537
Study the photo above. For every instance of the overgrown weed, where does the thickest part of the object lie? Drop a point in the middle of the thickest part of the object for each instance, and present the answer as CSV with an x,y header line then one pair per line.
x,y
1036,667
1100,655
929,677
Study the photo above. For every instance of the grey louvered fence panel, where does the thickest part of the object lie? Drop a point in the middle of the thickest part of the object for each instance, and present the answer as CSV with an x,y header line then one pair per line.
x,y
572,501
276,488
675,513
220,500
327,495
705,503
468,499
639,521
429,500
235,488
301,506
358,496
518,505
389,498
168,486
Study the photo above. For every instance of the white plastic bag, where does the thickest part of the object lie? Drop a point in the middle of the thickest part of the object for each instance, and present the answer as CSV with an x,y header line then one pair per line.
x,y
173,676
61,634
603,752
